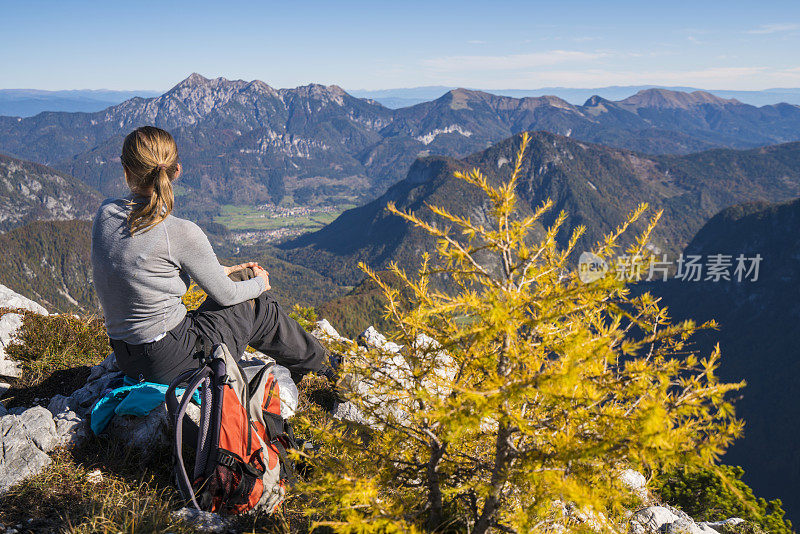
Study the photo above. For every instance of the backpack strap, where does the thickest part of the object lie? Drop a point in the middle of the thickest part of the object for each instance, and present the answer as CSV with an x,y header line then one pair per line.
x,y
177,411
281,436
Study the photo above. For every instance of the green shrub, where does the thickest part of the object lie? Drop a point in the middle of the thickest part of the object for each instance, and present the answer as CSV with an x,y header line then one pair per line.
x,y
706,497
305,316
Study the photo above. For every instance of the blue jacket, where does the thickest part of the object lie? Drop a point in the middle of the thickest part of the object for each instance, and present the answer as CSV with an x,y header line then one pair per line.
x,y
132,398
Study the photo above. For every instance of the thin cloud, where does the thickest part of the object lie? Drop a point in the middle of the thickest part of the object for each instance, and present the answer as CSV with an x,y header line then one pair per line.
x,y
476,42
747,78
765,29
508,62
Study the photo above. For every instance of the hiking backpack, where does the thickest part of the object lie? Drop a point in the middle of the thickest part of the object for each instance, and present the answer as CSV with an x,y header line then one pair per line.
x,y
241,462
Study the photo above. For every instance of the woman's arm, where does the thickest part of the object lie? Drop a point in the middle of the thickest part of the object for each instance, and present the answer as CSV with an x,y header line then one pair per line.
x,y
195,255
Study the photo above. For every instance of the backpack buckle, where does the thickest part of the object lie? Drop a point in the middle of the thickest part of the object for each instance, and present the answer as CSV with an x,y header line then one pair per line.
x,y
203,348
225,459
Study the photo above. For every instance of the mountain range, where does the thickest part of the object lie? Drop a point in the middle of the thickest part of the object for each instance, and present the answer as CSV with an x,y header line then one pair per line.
x,y
404,97
246,142
596,185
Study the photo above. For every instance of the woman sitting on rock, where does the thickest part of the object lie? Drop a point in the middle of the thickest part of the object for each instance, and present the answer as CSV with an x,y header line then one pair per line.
x,y
143,259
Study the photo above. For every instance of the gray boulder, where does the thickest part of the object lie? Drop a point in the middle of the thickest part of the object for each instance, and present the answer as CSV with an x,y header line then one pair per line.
x,y
25,440
668,520
72,428
10,324
202,521
71,414
147,434
12,299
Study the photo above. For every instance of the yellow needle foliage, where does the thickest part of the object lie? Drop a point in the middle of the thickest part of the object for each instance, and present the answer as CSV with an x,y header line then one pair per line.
x,y
520,393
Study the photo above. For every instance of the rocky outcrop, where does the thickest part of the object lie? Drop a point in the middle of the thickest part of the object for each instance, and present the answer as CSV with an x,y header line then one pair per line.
x,y
28,435
669,520
12,299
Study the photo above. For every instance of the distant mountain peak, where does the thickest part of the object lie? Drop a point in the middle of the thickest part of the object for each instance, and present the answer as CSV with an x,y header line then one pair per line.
x,y
669,99
327,93
595,100
459,98
461,91
260,87
193,80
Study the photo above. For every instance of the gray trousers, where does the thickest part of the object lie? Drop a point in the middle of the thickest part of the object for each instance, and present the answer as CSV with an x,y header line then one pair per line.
x,y
260,323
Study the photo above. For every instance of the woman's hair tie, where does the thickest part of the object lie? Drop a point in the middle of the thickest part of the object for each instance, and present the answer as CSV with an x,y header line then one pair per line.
x,y
161,166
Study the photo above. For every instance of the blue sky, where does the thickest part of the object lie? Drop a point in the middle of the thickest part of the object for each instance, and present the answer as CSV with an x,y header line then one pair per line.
x,y
73,44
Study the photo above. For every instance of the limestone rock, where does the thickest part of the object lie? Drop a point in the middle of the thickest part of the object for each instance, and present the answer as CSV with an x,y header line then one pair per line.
x,y
147,434
12,299
9,325
324,331
668,520
39,427
635,482
202,521
651,519
10,368
682,526
72,429
372,338
25,440
710,525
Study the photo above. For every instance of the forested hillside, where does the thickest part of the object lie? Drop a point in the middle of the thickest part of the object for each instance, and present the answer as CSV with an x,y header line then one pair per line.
x,y
758,335
32,192
49,261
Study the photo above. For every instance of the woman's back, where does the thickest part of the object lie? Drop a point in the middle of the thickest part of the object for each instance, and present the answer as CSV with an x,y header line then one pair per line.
x,y
137,281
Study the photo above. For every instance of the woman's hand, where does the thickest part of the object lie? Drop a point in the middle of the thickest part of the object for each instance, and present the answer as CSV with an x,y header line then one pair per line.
x,y
234,268
263,274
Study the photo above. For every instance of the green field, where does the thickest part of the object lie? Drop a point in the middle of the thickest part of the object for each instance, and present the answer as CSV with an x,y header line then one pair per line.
x,y
250,218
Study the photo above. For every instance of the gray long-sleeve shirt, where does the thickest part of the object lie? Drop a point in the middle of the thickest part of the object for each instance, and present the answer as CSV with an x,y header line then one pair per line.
x,y
140,279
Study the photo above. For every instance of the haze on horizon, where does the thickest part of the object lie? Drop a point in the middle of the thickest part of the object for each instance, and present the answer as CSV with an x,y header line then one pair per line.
x,y
362,45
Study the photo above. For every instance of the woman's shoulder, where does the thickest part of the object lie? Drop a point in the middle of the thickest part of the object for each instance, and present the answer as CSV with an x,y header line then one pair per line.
x,y
110,207
183,226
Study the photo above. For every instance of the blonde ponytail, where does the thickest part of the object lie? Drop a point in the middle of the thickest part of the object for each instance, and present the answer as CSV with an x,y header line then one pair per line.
x,y
150,157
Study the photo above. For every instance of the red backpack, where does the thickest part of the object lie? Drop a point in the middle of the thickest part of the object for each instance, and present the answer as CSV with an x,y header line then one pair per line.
x,y
241,439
